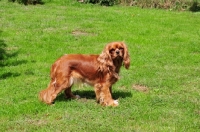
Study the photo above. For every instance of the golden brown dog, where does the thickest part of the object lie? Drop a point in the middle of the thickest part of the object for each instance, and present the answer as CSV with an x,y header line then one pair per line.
x,y
100,71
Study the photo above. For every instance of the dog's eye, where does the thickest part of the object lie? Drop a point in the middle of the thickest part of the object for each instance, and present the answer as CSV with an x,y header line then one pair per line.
x,y
112,50
121,48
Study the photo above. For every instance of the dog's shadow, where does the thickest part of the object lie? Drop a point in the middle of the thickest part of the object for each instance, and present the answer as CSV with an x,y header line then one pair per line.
x,y
89,94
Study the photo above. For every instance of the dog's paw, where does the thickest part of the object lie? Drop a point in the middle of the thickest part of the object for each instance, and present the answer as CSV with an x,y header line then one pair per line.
x,y
115,103
109,103
77,97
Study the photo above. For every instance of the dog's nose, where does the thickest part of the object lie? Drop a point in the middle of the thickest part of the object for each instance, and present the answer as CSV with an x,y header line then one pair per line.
x,y
117,52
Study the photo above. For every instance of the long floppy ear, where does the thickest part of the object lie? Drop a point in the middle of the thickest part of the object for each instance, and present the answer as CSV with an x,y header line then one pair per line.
x,y
105,60
126,59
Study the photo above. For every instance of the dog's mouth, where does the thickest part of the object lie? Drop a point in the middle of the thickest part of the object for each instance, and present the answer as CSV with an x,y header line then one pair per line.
x,y
117,56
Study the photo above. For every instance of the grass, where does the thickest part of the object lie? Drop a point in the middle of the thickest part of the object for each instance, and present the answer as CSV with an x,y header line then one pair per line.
x,y
164,49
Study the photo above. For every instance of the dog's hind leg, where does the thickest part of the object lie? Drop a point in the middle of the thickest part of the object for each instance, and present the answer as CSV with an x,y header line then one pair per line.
x,y
55,87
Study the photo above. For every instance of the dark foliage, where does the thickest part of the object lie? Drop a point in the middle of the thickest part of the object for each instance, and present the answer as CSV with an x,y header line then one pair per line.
x,y
26,2
101,2
195,7
165,4
192,5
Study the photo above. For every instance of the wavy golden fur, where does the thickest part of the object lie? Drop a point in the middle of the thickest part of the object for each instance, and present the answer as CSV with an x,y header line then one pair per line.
x,y
100,71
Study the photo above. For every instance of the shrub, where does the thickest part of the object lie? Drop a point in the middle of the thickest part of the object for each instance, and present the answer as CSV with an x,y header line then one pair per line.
x,y
101,2
195,7
192,5
164,4
26,2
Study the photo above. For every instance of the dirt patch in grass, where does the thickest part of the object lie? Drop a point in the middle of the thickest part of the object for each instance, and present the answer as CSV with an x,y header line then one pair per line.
x,y
81,33
140,88
197,112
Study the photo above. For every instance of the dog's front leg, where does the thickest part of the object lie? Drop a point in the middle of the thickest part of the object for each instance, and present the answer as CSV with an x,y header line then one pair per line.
x,y
110,88
105,97
70,95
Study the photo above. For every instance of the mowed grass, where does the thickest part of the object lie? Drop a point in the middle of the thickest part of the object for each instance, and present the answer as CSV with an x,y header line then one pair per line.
x,y
160,91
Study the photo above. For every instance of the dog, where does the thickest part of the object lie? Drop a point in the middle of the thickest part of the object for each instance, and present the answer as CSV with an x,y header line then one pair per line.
x,y
100,71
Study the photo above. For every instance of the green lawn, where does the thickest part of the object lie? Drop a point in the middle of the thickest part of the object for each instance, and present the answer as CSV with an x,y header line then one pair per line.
x,y
160,92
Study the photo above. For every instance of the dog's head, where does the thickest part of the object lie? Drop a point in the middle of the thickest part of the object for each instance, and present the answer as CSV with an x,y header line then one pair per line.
x,y
115,51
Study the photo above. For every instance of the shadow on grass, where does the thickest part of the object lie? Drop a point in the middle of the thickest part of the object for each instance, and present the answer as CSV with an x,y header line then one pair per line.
x,y
90,94
9,74
5,54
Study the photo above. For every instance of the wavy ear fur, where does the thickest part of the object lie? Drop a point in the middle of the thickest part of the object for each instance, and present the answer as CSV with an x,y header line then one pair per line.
x,y
126,59
105,60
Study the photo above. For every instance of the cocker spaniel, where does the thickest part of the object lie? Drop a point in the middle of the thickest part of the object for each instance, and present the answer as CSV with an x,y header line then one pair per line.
x,y
100,71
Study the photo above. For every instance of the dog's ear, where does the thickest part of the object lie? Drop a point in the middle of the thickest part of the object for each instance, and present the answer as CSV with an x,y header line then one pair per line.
x,y
105,59
126,58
